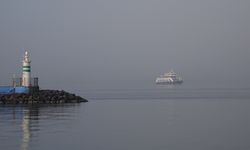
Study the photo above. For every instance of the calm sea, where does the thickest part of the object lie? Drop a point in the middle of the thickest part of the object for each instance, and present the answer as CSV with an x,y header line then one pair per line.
x,y
157,118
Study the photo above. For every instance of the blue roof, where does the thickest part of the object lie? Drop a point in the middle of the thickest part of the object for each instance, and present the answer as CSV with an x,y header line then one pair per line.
x,y
12,90
7,90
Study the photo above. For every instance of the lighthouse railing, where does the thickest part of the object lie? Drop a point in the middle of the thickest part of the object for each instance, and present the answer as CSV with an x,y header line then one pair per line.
x,y
17,82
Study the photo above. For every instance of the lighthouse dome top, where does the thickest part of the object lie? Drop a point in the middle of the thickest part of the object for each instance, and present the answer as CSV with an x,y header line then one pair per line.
x,y
26,57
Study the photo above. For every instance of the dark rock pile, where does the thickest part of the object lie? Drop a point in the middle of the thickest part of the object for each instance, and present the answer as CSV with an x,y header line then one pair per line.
x,y
42,97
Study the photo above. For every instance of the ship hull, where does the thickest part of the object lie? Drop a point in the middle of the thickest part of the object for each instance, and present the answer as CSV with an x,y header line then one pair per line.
x,y
167,82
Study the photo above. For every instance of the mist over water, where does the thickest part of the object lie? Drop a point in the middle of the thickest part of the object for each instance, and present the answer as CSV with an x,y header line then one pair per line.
x,y
126,42
110,52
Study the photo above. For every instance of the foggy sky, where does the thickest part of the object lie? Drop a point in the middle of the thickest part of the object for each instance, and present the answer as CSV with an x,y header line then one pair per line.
x,y
89,42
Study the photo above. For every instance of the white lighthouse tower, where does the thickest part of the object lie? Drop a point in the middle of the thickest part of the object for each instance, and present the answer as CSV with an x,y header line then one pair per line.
x,y
26,70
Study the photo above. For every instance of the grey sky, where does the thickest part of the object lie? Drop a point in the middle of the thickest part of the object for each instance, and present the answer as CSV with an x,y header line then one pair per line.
x,y
99,41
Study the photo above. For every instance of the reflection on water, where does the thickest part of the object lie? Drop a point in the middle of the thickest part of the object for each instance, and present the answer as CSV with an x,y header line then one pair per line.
x,y
24,122
30,118
26,132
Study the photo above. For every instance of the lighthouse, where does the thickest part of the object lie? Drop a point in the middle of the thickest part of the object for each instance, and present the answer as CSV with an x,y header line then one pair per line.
x,y
25,84
26,70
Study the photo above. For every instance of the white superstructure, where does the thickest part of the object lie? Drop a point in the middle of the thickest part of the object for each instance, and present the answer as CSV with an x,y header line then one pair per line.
x,y
169,78
26,70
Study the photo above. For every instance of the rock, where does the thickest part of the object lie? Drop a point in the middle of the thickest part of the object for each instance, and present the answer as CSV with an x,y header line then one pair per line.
x,y
42,97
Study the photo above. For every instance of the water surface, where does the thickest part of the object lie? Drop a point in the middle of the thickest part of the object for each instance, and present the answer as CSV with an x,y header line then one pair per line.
x,y
136,119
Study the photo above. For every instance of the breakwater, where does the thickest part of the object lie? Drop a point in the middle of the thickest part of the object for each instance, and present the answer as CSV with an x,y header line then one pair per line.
x,y
41,97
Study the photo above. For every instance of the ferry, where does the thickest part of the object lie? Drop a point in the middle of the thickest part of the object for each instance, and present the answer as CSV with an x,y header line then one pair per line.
x,y
169,78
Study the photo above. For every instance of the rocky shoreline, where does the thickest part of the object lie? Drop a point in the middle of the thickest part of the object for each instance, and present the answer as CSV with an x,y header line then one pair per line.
x,y
42,97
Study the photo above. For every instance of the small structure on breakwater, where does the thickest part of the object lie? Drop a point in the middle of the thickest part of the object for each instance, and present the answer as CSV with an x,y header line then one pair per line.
x,y
25,90
25,84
